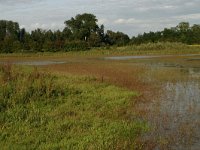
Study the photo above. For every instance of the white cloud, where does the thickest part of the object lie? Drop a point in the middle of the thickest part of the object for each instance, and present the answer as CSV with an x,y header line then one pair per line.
x,y
53,26
102,21
129,16
22,26
188,17
127,21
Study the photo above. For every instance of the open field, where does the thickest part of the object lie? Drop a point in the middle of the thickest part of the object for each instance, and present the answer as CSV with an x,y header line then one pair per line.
x,y
91,102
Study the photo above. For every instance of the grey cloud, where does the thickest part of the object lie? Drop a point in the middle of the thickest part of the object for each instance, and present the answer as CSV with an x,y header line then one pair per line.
x,y
15,2
129,16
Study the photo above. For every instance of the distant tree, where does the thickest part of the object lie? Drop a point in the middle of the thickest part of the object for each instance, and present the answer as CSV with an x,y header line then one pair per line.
x,y
12,30
9,34
117,38
94,40
48,45
38,38
27,42
181,33
22,35
9,29
49,35
82,26
170,35
59,42
2,29
183,26
196,33
7,46
101,34
196,28
67,34
82,32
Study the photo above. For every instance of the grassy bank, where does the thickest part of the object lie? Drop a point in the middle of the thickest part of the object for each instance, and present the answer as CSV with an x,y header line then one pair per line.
x,y
45,111
143,49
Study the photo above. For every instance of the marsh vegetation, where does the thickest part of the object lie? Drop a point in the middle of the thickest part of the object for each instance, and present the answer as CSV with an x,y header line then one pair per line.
x,y
89,102
45,111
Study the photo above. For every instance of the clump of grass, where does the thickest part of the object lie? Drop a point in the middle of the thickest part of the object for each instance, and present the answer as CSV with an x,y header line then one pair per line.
x,y
21,88
44,111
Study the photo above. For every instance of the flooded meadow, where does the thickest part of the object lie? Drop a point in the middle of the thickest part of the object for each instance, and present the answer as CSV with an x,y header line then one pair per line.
x,y
169,87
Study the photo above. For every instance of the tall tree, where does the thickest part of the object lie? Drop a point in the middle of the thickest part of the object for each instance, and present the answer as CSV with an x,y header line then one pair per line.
x,y
82,26
117,38
183,26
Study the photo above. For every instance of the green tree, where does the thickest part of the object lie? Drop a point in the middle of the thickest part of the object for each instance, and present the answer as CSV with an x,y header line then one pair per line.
x,y
7,46
82,26
38,38
183,26
94,40
117,38
67,34
2,29
9,29
196,33
22,35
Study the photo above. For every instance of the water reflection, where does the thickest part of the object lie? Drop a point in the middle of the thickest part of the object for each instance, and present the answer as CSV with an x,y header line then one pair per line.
x,y
181,98
177,118
34,63
178,110
148,56
175,114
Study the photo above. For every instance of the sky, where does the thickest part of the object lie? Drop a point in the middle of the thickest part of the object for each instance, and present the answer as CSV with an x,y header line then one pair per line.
x,y
132,17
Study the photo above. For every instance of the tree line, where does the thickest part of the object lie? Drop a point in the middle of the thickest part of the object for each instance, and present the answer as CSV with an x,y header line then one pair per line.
x,y
183,33
81,33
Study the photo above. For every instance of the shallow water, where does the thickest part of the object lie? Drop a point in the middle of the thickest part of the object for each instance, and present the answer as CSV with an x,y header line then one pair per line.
x,y
175,114
33,63
129,57
146,57
175,111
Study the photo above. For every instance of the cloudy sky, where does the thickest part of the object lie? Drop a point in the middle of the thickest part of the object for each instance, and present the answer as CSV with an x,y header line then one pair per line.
x,y
129,16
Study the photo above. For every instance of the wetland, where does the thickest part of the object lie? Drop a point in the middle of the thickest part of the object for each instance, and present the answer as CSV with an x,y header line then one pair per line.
x,y
168,90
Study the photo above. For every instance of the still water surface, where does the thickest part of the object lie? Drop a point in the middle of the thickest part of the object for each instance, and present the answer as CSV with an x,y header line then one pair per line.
x,y
175,114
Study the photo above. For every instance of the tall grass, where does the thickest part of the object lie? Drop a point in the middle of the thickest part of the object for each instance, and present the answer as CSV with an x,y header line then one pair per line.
x,y
160,46
22,88
43,111
143,49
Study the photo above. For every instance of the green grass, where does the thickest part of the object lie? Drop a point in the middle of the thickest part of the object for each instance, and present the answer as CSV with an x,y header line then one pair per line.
x,y
162,48
44,111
